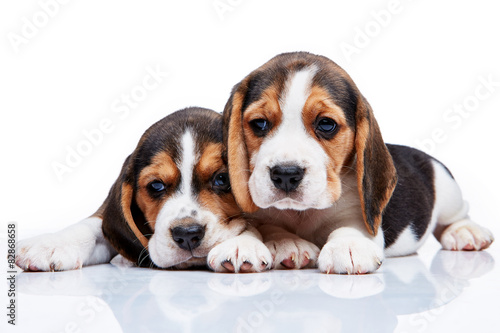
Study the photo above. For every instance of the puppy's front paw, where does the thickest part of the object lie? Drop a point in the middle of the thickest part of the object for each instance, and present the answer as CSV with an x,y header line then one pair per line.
x,y
466,235
242,254
52,252
292,253
350,255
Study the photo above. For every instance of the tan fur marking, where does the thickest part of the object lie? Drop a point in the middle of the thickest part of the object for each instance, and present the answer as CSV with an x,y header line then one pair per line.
x,y
371,150
126,202
224,206
210,161
162,168
362,132
238,157
266,108
339,148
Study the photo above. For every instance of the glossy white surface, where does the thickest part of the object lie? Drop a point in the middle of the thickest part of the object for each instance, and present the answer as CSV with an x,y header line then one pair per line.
x,y
419,71
437,291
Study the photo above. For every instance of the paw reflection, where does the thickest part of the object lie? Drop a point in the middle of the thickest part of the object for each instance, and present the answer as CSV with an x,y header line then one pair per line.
x,y
351,286
239,285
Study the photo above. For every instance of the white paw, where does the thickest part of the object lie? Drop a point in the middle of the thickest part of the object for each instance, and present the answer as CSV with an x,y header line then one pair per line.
x,y
292,253
242,254
466,235
53,252
350,255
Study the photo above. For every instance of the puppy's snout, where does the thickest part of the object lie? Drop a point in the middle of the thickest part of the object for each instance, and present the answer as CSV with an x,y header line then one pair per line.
x,y
188,237
286,177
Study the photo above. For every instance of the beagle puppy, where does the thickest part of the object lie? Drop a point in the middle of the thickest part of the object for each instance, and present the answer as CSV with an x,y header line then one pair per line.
x,y
171,206
307,162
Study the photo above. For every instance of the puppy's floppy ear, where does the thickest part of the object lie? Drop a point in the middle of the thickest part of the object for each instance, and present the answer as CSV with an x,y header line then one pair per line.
x,y
123,223
236,151
375,169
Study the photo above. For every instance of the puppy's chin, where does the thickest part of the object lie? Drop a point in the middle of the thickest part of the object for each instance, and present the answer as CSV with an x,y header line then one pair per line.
x,y
288,203
295,201
188,260
165,254
193,262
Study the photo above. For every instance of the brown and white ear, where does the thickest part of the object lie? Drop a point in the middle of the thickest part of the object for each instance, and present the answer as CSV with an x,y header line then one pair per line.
x,y
376,173
123,223
236,149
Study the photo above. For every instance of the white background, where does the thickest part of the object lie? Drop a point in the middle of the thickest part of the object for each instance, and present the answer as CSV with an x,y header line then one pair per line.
x,y
70,68
66,75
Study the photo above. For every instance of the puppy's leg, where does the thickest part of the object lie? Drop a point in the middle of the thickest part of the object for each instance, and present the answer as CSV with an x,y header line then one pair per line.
x,y
78,245
350,249
242,254
454,228
289,251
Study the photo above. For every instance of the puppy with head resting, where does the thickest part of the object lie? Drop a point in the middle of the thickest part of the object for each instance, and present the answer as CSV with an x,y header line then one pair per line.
x,y
171,206
307,162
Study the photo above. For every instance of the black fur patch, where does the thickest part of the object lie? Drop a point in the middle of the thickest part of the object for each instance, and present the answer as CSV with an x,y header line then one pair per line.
x,y
117,231
262,80
343,94
413,199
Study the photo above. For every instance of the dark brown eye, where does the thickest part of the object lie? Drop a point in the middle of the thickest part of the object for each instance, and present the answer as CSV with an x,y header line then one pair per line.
x,y
326,128
156,188
260,126
220,182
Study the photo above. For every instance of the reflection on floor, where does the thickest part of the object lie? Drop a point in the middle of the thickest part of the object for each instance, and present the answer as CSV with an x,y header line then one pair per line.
x,y
115,297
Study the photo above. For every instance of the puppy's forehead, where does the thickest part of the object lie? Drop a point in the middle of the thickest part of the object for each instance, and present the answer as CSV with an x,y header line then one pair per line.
x,y
278,72
341,90
197,128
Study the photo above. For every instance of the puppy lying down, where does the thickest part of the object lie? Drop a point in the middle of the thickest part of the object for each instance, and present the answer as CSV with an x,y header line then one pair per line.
x,y
171,206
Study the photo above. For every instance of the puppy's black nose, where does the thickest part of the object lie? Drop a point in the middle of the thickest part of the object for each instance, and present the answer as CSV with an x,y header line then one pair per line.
x,y
189,237
287,177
